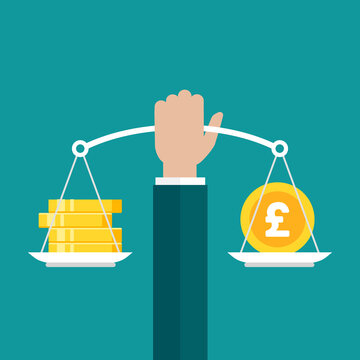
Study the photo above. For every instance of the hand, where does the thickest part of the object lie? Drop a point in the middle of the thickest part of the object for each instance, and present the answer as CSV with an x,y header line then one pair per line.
x,y
180,141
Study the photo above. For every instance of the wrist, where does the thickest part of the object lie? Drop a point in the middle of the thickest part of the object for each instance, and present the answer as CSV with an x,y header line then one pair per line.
x,y
179,170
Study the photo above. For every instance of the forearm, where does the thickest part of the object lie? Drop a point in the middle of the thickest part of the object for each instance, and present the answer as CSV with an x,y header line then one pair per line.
x,y
180,272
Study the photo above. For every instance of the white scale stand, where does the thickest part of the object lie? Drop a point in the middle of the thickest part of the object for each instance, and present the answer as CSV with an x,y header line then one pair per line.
x,y
251,259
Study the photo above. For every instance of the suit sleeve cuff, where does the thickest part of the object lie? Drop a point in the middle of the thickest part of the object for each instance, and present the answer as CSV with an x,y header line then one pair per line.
x,y
180,181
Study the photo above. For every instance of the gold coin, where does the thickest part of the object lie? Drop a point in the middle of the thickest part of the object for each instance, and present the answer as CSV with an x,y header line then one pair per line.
x,y
85,206
84,235
84,247
74,220
279,225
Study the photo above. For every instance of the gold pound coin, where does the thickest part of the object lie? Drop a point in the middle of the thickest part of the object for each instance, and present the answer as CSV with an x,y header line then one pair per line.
x,y
279,225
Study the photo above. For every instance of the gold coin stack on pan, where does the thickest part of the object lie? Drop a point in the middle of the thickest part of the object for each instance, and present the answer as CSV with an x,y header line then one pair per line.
x,y
81,226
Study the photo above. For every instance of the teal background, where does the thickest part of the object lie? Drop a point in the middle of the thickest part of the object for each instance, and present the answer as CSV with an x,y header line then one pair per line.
x,y
78,70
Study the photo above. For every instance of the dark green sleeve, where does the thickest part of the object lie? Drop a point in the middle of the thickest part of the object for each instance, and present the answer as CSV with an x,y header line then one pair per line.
x,y
180,272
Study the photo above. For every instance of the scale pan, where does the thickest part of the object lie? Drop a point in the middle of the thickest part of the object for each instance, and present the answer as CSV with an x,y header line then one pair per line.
x,y
279,259
84,259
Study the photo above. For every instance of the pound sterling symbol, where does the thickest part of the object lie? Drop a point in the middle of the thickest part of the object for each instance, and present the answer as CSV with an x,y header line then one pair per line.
x,y
276,220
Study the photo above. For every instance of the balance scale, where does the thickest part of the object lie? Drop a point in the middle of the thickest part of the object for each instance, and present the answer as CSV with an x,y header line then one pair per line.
x,y
250,259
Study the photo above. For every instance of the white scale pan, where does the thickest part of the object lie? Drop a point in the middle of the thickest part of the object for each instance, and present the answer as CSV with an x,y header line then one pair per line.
x,y
85,259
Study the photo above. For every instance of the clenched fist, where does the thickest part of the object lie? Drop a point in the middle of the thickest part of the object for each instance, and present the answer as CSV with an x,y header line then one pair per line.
x,y
180,141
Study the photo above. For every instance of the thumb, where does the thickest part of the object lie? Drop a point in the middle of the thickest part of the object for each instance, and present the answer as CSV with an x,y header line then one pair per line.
x,y
210,138
216,121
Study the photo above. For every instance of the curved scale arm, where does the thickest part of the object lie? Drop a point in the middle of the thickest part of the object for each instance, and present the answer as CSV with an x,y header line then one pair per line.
x,y
120,134
149,129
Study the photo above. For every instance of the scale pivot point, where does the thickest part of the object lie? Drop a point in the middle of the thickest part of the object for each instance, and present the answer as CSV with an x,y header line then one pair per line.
x,y
284,150
78,153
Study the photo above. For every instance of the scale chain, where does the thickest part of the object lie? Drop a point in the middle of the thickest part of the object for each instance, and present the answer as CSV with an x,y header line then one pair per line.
x,y
58,206
301,205
102,206
258,204
298,197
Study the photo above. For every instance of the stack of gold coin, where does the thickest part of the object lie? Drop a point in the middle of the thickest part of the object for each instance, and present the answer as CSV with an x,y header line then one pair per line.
x,y
81,226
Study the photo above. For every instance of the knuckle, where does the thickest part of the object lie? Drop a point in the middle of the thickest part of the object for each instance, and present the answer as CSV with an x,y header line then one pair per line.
x,y
185,93
171,98
159,104
198,97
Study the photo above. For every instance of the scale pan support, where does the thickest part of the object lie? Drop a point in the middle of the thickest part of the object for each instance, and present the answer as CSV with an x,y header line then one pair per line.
x,y
109,259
